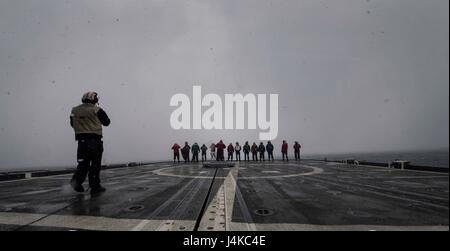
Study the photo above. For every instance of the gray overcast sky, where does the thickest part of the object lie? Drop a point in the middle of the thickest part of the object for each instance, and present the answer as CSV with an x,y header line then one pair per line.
x,y
352,75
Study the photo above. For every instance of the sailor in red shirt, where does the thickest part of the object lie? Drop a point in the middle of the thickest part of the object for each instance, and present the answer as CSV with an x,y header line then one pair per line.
x,y
176,152
220,147
254,152
297,147
284,150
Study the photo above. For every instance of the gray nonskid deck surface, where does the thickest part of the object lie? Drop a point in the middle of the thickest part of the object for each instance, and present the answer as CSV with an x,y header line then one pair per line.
x,y
306,195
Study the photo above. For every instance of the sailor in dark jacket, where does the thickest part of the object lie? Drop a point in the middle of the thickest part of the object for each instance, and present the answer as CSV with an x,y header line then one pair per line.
x,y
195,150
230,150
204,148
261,150
269,148
185,152
246,149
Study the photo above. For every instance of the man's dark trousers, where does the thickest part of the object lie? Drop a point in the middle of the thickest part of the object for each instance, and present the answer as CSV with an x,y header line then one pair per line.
x,y
89,157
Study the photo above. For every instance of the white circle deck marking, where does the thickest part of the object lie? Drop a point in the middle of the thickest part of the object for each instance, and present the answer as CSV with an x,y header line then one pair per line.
x,y
314,171
270,171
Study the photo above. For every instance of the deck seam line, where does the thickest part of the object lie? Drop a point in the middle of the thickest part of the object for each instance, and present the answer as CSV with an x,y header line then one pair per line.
x,y
46,216
205,202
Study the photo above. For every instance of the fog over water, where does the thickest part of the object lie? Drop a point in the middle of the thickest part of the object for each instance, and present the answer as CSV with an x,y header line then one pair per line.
x,y
351,75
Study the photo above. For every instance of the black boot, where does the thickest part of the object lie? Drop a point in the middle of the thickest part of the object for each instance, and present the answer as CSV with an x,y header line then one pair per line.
x,y
77,187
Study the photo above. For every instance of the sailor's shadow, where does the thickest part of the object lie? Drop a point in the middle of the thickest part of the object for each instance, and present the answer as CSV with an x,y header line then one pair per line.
x,y
86,204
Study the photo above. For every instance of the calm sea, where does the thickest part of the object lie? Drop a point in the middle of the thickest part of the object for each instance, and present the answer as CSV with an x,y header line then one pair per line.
x,y
437,158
